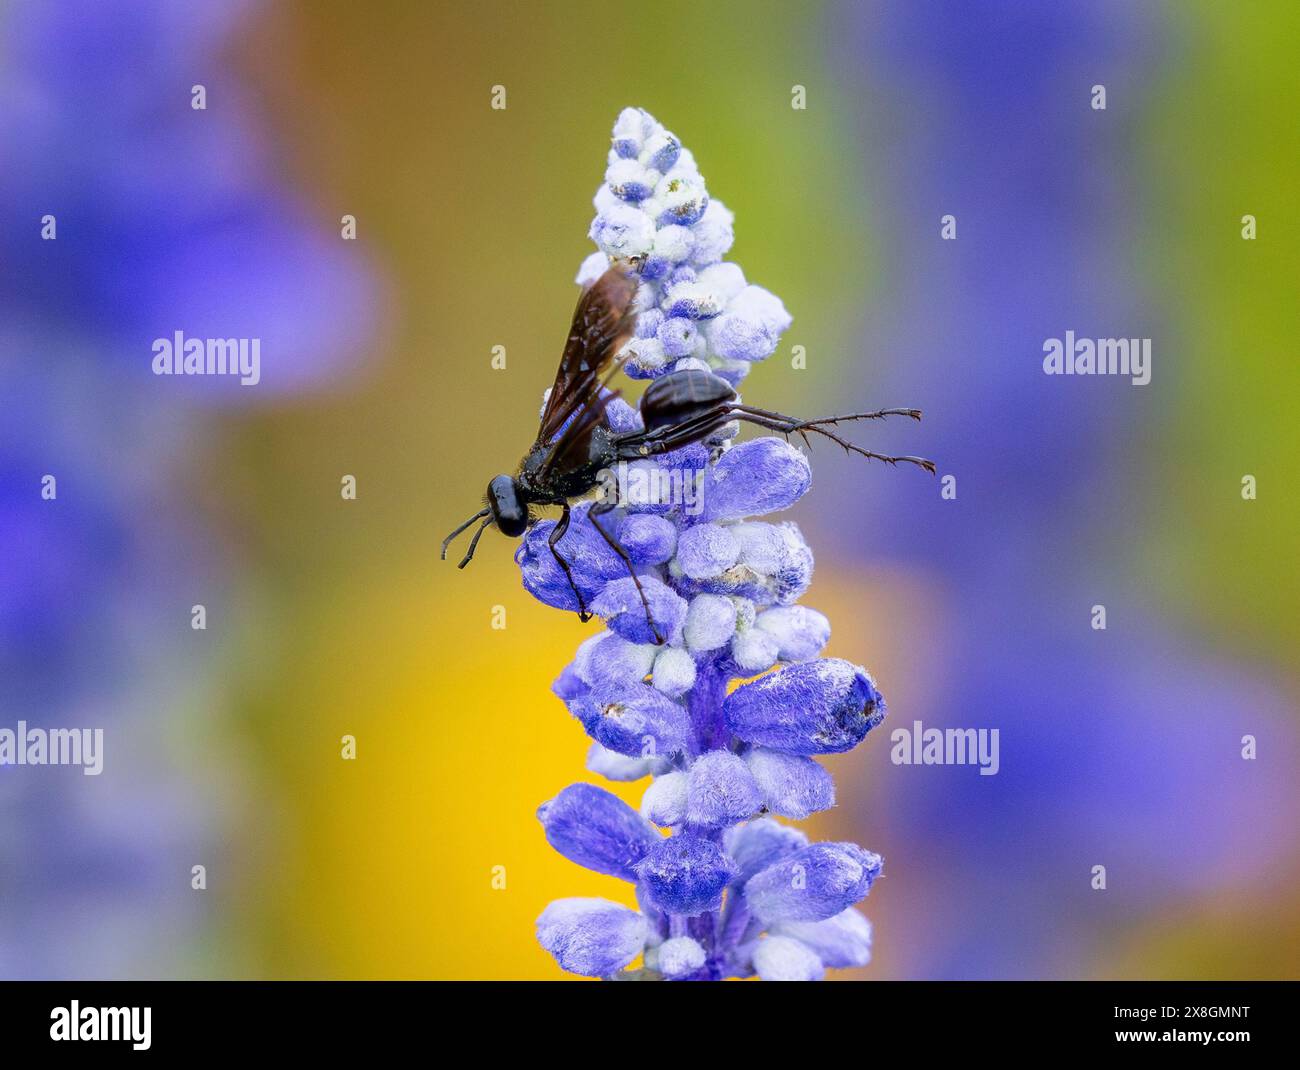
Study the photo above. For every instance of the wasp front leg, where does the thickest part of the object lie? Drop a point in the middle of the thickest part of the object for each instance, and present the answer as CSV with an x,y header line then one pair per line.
x,y
557,533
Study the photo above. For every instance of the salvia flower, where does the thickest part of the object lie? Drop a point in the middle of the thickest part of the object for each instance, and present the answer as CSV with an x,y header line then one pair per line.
x,y
654,210
723,889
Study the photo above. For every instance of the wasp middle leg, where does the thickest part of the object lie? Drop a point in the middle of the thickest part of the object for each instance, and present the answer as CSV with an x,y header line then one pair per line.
x,y
594,514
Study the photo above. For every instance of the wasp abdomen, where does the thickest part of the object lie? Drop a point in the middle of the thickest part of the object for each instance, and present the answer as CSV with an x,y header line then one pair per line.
x,y
681,396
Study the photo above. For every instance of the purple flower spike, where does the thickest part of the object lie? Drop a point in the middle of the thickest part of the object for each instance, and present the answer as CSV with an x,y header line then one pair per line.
x,y
592,937
686,875
816,707
763,475
598,830
813,884
721,890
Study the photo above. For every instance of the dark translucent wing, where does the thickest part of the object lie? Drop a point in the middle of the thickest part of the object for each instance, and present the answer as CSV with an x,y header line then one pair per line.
x,y
572,448
601,324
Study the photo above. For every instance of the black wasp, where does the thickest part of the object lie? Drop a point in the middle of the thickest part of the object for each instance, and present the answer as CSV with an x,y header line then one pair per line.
x,y
575,443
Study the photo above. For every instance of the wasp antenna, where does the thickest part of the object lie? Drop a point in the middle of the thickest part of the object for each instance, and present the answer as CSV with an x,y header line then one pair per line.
x,y
447,541
473,543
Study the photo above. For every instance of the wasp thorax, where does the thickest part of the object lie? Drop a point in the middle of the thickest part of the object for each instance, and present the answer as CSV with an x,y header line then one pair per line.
x,y
507,504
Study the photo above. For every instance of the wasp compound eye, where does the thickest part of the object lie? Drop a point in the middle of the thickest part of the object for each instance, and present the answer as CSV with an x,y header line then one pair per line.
x,y
508,509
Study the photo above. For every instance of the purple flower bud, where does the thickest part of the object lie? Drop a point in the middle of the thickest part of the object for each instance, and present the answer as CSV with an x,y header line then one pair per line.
x,y
714,234
618,767
760,476
800,633
684,198
648,539
706,550
710,622
736,338
757,305
678,337
780,958
592,937
647,323
692,300
635,720
622,417
686,874
616,661
662,150
814,883
720,790
655,266
664,801
815,707
582,656
630,181
679,957
593,562
753,651
758,844
657,918
725,280
596,829
673,244
840,941
791,785
673,672
628,132
604,202
645,355
570,684
621,607
623,231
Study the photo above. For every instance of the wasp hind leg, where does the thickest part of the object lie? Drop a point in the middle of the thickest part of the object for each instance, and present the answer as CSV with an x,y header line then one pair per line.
x,y
787,425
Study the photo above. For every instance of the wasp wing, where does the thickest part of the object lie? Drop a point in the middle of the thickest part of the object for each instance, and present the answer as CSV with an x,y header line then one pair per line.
x,y
602,322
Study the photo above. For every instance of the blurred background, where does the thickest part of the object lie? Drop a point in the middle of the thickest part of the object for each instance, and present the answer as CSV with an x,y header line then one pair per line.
x,y
328,617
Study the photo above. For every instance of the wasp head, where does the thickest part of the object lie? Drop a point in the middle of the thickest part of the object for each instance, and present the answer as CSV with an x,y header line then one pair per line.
x,y
508,505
